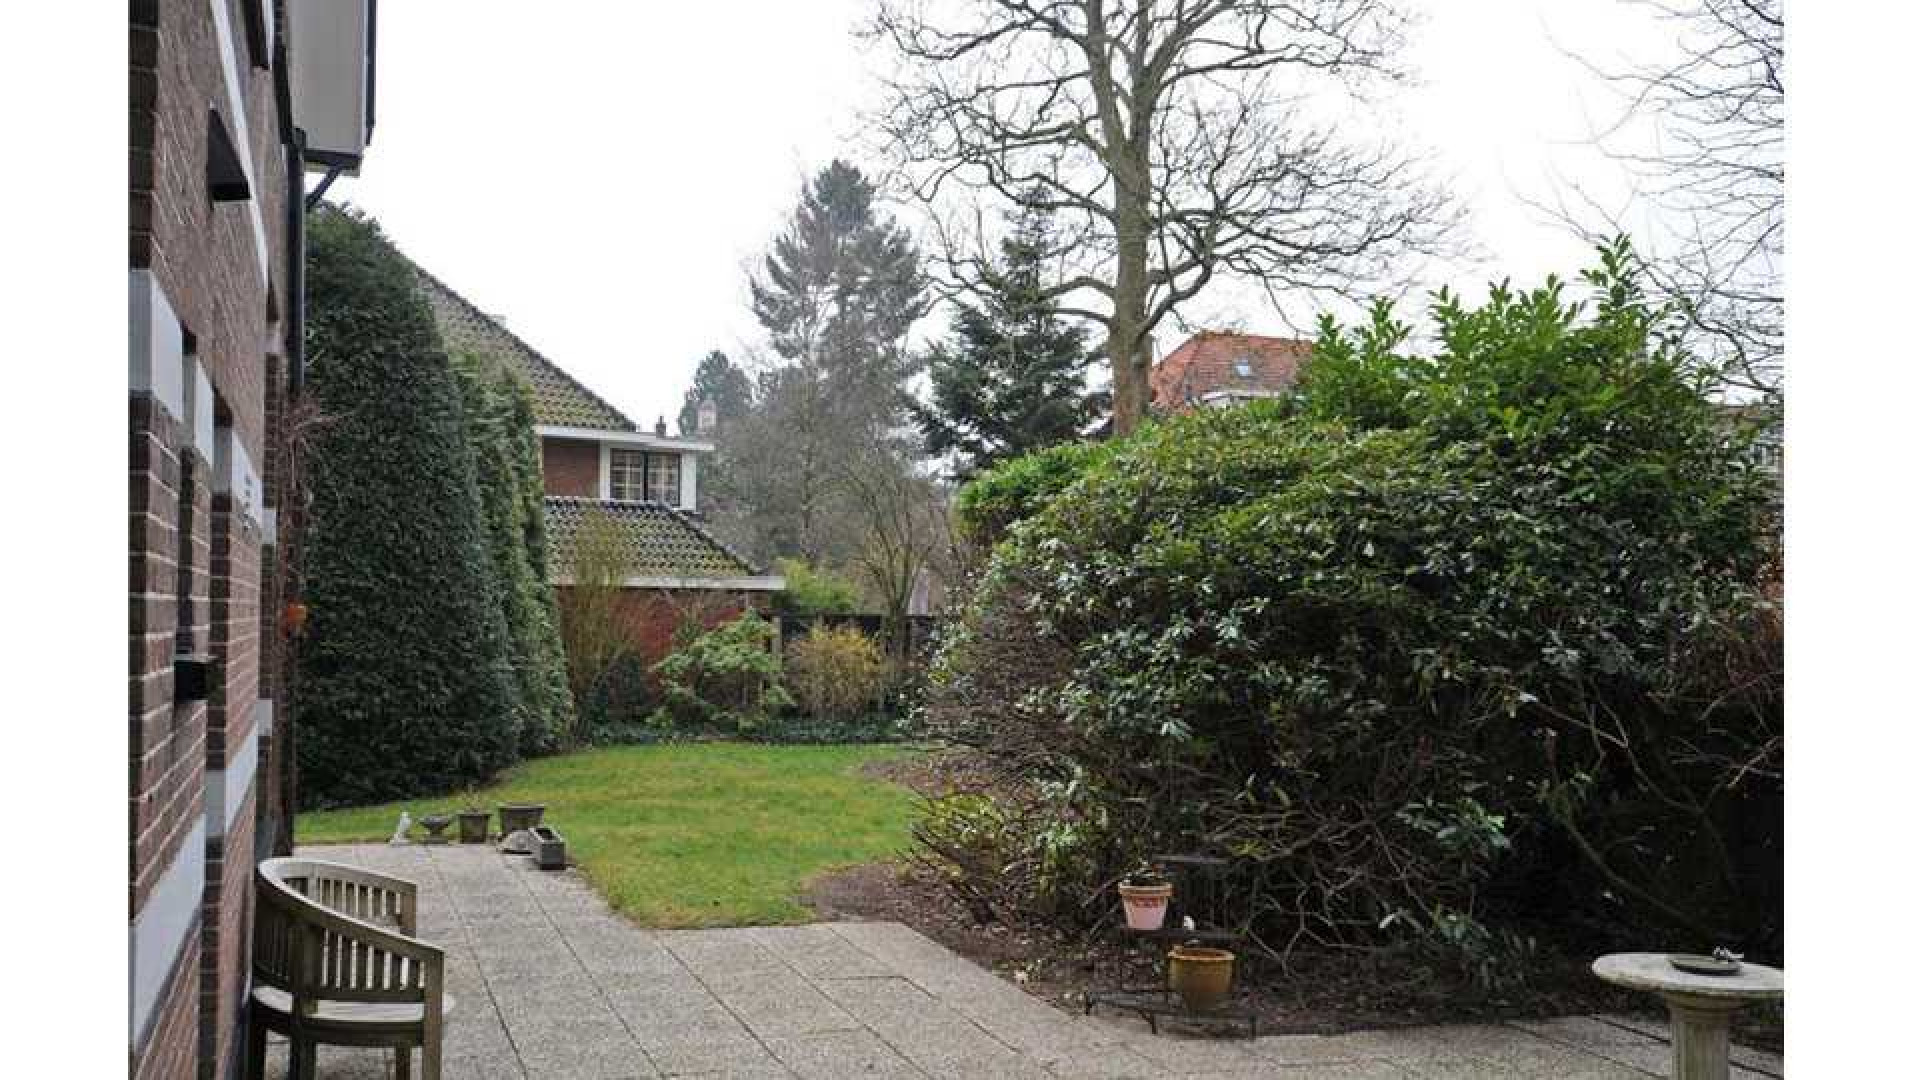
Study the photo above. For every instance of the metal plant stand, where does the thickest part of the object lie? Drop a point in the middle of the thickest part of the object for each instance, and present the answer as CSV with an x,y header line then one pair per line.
x,y
1197,893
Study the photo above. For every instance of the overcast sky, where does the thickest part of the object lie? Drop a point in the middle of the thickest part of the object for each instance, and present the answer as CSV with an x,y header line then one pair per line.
x,y
603,174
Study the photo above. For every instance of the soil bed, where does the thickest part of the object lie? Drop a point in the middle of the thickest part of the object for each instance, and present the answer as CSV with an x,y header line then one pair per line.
x,y
1315,992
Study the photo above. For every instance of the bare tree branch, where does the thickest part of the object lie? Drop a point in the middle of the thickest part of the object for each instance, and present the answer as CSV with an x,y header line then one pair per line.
x,y
1717,177
1171,138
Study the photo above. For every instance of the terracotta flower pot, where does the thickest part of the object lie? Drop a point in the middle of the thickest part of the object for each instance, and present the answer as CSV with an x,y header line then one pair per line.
x,y
473,826
1145,905
1202,977
517,816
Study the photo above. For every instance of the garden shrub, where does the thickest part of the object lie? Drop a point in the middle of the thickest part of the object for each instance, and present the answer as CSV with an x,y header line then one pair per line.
x,y
835,672
723,681
500,431
989,504
404,681
1450,641
814,590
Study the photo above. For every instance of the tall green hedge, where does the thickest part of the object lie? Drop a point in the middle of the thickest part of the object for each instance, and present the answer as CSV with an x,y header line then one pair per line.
x,y
405,682
499,412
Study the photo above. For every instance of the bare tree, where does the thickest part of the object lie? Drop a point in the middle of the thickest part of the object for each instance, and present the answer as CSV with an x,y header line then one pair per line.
x,y
902,516
1716,177
1173,140
591,629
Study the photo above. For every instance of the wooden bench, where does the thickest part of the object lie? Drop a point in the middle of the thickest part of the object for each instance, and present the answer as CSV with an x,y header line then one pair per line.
x,y
335,961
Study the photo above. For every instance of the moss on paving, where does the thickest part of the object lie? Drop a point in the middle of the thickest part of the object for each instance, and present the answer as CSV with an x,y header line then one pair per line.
x,y
708,834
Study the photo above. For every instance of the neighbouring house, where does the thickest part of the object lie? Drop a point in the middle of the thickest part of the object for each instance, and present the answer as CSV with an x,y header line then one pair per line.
x,y
230,104
594,459
1216,368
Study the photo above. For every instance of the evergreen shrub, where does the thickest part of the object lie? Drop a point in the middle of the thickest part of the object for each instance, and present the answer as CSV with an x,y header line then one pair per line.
x,y
1453,641
404,681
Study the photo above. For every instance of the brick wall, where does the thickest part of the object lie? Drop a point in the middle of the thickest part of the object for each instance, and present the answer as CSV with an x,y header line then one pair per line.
x,y
571,467
168,742
226,927
650,616
202,576
172,1047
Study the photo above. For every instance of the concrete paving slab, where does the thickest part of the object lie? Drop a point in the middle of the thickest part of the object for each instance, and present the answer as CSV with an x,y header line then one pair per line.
x,y
840,1055
552,984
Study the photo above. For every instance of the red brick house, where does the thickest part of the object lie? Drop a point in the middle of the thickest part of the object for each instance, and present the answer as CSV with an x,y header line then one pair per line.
x,y
230,103
595,459
1216,368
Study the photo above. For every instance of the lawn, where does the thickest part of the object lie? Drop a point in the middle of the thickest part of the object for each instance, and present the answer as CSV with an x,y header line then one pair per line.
x,y
709,834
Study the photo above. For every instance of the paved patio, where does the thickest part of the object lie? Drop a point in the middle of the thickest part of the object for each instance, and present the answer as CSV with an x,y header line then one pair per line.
x,y
552,984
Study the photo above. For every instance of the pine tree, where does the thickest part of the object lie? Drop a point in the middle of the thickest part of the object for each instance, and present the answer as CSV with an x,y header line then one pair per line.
x,y
839,291
842,287
1011,377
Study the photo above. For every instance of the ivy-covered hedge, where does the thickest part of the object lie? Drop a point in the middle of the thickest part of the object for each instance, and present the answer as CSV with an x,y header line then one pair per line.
x,y
500,431
405,685
1452,643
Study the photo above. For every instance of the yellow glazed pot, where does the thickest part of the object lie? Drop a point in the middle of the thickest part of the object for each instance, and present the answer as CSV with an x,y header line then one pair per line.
x,y
1201,977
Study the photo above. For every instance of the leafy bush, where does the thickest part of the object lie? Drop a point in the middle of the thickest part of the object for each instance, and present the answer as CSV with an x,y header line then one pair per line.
x,y
1455,639
723,680
834,673
989,504
814,591
404,680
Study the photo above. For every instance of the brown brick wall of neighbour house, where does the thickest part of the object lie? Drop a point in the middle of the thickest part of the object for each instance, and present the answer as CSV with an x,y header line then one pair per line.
x,y
205,258
571,467
650,616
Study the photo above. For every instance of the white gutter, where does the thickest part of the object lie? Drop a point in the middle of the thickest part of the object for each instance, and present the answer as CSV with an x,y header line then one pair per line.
x,y
621,438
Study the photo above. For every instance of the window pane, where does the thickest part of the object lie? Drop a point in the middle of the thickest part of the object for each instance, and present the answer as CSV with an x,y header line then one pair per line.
x,y
663,478
625,474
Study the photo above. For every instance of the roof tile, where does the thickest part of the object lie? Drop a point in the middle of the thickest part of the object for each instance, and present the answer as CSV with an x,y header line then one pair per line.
x,y
558,398
659,540
1214,361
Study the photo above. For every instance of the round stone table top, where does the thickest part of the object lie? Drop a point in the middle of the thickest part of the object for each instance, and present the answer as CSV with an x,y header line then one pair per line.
x,y
1653,972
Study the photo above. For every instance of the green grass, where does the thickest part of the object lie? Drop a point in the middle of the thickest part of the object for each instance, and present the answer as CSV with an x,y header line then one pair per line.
x,y
706,834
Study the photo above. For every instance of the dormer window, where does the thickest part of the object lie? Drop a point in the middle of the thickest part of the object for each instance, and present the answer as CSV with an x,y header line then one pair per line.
x,y
636,476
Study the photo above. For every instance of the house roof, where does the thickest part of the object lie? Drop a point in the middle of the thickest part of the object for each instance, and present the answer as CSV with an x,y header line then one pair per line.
x,y
558,398
1214,362
658,540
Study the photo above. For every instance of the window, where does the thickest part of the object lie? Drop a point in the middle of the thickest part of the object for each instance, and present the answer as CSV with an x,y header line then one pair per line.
x,y
627,470
635,475
1243,367
663,478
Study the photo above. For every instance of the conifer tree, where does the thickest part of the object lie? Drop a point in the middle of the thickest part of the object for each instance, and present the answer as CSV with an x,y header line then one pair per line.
x,y
838,292
718,380
405,682
1011,376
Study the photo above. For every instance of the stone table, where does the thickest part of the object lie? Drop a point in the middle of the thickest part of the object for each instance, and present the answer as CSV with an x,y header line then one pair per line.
x,y
1700,1005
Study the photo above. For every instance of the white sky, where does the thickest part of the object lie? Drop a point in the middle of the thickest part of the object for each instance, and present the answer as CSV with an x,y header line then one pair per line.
x,y
603,174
